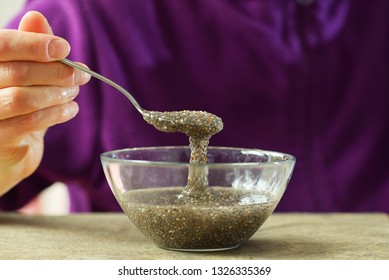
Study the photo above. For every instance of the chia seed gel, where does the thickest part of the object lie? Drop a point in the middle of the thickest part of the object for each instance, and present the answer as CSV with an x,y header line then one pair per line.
x,y
182,226
198,217
200,126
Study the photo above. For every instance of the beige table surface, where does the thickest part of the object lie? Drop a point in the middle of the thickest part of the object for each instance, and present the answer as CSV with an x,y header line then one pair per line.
x,y
112,236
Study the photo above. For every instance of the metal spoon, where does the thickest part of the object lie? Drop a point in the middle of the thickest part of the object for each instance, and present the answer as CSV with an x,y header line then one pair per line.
x,y
106,80
193,123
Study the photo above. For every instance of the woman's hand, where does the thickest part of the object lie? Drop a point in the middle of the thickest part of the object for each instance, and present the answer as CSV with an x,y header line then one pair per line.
x,y
36,92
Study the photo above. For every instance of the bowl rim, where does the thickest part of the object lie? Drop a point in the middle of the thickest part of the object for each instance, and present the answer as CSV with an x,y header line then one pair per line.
x,y
280,158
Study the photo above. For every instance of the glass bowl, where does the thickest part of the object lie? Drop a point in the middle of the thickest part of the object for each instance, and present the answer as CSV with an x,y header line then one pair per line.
x,y
149,185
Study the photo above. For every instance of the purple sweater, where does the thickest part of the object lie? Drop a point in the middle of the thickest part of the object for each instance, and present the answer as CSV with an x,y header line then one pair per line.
x,y
309,80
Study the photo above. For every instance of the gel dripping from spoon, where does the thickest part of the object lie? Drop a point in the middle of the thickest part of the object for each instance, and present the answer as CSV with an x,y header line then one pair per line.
x,y
199,126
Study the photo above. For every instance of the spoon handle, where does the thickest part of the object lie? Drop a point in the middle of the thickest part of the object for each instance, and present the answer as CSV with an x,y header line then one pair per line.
x,y
106,80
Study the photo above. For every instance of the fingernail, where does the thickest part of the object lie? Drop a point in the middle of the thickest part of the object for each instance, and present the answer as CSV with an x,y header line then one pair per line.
x,y
81,77
71,109
58,48
70,93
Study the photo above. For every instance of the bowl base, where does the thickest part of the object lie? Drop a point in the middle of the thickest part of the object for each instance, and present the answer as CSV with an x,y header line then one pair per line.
x,y
201,250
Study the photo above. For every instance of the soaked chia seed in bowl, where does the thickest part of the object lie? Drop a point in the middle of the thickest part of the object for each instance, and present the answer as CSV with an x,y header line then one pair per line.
x,y
197,217
177,225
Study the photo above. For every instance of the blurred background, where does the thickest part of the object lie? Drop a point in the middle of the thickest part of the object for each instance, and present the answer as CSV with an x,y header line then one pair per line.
x,y
54,200
8,9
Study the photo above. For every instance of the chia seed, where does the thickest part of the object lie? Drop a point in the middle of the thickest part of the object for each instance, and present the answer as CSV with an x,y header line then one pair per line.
x,y
198,217
176,225
199,126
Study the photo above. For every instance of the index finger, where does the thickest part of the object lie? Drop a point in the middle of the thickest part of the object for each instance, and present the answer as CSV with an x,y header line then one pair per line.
x,y
21,45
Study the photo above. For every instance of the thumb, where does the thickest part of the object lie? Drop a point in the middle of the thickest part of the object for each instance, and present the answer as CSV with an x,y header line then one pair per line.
x,y
53,47
35,22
